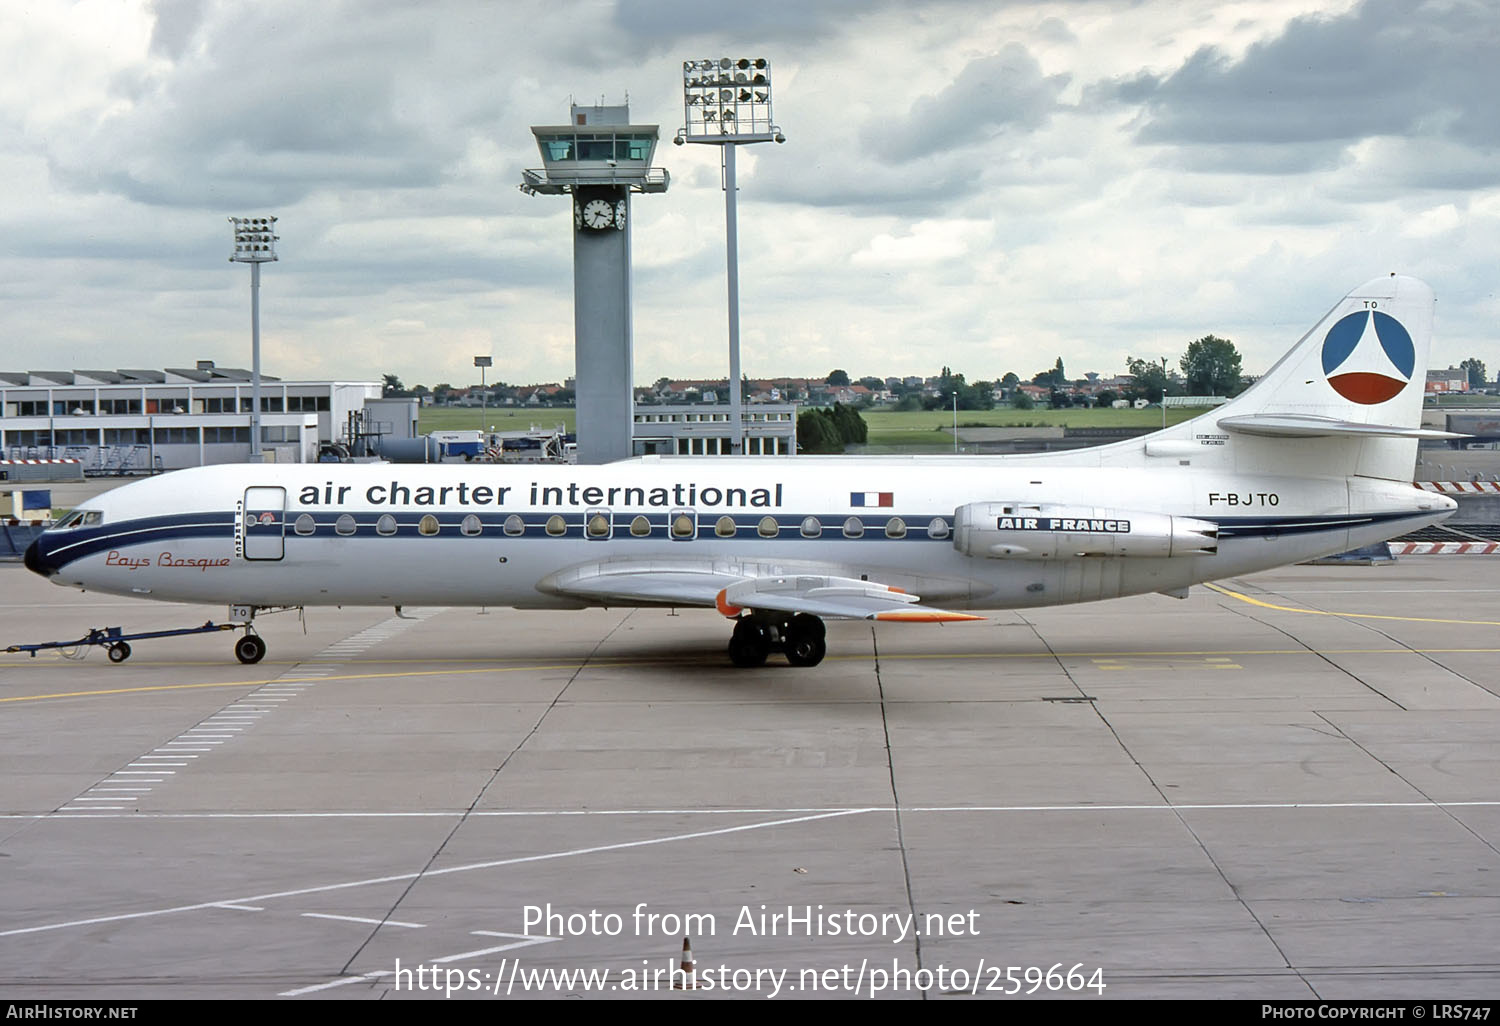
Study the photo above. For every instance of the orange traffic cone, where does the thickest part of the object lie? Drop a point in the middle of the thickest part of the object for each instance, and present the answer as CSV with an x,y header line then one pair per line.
x,y
688,980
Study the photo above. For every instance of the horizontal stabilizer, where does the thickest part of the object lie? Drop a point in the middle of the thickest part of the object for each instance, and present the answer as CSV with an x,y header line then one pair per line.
x,y
1295,425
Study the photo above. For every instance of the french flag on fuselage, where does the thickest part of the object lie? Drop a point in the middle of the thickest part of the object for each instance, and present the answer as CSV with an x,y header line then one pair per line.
x,y
872,498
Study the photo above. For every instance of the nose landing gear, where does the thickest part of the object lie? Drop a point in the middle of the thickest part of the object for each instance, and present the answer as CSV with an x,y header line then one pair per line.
x,y
250,648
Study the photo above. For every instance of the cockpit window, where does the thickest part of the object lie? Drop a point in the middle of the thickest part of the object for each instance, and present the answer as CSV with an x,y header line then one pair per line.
x,y
82,518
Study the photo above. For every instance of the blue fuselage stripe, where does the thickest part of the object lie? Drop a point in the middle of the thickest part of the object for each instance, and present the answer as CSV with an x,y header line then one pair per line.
x,y
63,547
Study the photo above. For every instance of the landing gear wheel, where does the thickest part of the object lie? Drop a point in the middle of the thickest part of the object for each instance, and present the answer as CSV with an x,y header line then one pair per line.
x,y
749,645
807,623
805,644
249,649
118,652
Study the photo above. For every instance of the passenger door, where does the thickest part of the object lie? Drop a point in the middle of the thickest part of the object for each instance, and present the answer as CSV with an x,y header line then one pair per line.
x,y
263,524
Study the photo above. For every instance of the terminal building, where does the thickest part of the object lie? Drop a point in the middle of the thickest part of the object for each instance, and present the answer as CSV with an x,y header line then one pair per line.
x,y
703,429
124,421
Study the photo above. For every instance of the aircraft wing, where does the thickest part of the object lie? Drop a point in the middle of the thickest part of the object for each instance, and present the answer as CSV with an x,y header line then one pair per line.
x,y
1297,425
830,596
733,588
629,583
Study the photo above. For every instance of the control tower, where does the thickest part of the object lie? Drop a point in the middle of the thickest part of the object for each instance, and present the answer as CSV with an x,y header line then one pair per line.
x,y
599,160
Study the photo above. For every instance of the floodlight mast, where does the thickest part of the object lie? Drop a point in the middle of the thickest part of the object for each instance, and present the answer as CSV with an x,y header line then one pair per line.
x,y
483,362
254,244
727,102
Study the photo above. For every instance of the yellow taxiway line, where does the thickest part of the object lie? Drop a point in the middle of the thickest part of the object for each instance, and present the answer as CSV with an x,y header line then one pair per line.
x,y
1349,616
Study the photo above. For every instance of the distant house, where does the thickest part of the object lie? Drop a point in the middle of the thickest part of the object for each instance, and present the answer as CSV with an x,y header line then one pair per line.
x,y
1451,379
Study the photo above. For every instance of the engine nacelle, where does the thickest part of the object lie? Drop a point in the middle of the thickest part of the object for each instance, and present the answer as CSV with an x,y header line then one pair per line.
x,y
1016,530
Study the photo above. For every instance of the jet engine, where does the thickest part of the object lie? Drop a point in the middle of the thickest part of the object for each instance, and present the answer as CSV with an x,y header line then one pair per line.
x,y
1015,530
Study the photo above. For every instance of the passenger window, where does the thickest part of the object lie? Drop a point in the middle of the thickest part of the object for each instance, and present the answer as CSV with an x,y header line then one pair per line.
x,y
305,524
598,525
556,526
514,526
725,527
768,527
683,526
854,528
470,526
428,525
640,527
386,525
344,525
811,528
895,528
938,528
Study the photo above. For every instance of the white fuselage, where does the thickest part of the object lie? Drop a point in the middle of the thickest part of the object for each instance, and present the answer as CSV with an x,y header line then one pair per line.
x,y
387,534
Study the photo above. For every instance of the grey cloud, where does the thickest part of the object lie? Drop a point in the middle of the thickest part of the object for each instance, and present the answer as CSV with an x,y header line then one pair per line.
x,y
176,22
1387,67
991,94
259,112
666,23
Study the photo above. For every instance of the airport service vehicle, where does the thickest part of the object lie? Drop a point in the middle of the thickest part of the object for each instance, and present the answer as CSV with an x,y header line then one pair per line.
x,y
1316,458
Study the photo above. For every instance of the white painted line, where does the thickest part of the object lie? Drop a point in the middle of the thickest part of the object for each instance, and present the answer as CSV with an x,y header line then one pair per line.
x,y
524,942
102,789
241,908
93,808
398,877
361,919
158,764
338,983
122,798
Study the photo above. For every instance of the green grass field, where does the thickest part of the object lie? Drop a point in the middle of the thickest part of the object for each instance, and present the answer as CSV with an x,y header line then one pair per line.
x,y
453,418
932,430
917,431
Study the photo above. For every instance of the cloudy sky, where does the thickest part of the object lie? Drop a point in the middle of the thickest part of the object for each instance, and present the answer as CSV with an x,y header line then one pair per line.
x,y
987,185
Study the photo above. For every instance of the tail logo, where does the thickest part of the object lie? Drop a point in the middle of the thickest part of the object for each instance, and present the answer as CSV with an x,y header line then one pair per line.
x,y
1368,357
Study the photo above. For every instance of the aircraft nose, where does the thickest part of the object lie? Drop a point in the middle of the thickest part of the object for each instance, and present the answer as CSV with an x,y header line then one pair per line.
x,y
35,562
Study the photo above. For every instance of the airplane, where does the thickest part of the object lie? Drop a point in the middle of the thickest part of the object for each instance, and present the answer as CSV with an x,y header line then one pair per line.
x,y
1315,458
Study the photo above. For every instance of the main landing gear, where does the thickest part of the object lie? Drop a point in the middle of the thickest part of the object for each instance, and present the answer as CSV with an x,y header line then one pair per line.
x,y
758,635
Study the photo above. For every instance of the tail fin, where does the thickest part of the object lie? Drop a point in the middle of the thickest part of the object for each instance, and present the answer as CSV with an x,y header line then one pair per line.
x,y
1352,387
